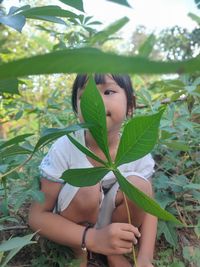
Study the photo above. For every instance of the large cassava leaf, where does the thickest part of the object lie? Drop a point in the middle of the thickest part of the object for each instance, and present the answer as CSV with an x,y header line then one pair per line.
x,y
138,138
78,4
85,176
53,133
9,86
108,31
85,150
15,140
143,201
91,60
93,111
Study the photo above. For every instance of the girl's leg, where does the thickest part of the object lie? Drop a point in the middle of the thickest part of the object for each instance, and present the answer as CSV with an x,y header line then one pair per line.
x,y
136,214
83,209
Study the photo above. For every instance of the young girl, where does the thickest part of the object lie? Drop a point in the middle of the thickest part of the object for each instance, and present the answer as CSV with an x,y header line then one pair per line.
x,y
68,212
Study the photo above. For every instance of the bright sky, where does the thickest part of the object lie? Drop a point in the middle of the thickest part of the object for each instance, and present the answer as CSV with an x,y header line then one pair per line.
x,y
154,14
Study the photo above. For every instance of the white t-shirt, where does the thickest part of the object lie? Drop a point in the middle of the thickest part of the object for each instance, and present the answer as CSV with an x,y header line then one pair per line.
x,y
64,155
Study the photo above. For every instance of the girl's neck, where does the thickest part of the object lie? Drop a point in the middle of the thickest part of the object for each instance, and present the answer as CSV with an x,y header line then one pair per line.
x,y
113,140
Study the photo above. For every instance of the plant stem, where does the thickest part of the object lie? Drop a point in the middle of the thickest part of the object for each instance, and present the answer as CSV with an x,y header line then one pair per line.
x,y
129,221
180,216
16,168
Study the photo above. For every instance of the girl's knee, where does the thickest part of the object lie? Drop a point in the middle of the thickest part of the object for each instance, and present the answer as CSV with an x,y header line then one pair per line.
x,y
84,207
88,198
143,185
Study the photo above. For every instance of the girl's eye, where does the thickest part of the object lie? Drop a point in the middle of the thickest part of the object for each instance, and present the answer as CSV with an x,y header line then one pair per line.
x,y
109,92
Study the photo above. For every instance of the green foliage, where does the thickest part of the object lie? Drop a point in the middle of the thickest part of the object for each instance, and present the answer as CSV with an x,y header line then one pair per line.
x,y
36,104
82,60
14,245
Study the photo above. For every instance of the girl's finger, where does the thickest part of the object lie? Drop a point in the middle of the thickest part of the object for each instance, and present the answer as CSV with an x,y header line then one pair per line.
x,y
129,236
130,228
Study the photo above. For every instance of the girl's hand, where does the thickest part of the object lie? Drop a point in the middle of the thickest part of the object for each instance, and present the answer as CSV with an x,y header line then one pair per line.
x,y
116,238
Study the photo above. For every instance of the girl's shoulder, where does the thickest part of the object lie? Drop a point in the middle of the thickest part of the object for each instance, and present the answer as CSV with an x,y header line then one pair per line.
x,y
64,144
61,156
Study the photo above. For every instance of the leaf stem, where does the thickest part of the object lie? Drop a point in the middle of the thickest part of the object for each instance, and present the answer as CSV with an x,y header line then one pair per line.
x,y
129,221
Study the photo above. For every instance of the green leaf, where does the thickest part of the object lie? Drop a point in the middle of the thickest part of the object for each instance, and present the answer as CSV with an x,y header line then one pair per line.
x,y
51,10
15,150
192,186
9,219
93,111
139,137
9,86
53,133
10,255
176,145
18,115
177,264
147,47
85,176
78,4
194,17
121,2
168,85
16,242
169,232
103,35
92,60
3,168
197,228
49,18
16,22
143,201
15,245
16,140
85,150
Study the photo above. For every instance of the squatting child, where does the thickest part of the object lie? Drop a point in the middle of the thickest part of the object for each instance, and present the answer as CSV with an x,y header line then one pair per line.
x,y
68,212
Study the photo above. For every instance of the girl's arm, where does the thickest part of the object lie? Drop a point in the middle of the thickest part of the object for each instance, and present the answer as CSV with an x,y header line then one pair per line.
x,y
50,225
116,238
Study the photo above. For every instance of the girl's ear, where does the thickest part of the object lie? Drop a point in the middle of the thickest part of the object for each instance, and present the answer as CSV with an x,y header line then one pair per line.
x,y
130,112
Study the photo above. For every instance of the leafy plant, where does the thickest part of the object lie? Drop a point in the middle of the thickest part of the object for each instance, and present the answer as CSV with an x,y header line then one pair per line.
x,y
176,180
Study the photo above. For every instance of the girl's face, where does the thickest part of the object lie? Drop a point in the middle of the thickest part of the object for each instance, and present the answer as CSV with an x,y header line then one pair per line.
x,y
115,103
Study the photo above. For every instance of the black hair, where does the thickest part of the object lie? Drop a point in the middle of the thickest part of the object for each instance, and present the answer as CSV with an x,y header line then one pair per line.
x,y
123,81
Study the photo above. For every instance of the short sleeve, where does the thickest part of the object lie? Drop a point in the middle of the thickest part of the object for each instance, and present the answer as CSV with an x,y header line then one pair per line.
x,y
143,167
56,161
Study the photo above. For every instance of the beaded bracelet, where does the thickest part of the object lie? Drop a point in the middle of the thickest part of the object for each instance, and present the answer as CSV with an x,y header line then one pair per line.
x,y
83,245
